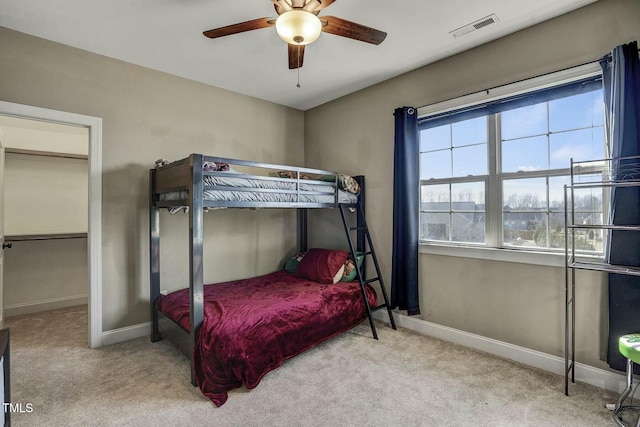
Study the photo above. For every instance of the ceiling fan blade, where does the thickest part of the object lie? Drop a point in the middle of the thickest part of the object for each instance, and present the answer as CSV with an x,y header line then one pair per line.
x,y
241,27
296,56
344,28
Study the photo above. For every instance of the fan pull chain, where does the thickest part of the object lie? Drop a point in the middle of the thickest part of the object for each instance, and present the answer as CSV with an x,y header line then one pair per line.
x,y
298,85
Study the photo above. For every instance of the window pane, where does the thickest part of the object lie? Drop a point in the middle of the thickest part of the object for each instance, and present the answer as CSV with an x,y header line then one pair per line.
x,y
468,196
434,197
471,160
435,165
587,204
469,132
468,227
577,111
587,240
585,178
435,138
527,229
524,194
556,192
526,154
434,226
556,230
579,145
526,121
468,201
597,107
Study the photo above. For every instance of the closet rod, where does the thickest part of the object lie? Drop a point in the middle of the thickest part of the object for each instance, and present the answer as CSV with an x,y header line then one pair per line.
x,y
46,153
30,237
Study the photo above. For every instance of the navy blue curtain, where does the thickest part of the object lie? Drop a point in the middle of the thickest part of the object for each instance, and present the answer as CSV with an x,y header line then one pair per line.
x,y
621,78
406,212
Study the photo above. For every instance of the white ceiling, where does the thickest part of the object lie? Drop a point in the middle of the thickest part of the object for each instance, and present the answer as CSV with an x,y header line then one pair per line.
x,y
166,35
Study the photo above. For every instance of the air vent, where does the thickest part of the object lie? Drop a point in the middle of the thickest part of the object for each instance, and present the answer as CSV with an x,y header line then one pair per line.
x,y
480,23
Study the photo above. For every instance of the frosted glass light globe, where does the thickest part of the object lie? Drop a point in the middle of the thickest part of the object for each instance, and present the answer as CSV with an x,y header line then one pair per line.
x,y
298,27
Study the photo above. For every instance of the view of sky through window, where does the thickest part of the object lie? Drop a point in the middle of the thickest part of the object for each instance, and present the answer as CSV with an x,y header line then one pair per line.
x,y
534,145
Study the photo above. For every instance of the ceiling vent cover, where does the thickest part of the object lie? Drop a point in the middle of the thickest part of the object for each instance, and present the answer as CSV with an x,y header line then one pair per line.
x,y
480,23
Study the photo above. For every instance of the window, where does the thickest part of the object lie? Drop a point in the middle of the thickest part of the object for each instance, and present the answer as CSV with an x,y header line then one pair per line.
x,y
493,174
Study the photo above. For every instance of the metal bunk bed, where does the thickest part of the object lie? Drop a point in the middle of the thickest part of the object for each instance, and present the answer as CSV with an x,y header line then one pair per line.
x,y
186,179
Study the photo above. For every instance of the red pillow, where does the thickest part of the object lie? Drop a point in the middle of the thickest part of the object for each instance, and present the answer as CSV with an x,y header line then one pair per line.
x,y
322,265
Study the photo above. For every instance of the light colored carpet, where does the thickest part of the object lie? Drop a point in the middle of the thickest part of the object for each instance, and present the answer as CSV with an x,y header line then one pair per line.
x,y
351,380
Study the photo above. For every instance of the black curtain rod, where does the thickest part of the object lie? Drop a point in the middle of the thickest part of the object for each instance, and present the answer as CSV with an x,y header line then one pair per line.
x,y
517,81
608,55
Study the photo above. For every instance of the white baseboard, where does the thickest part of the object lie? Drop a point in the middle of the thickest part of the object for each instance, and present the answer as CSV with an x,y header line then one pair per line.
x,y
44,305
583,373
127,333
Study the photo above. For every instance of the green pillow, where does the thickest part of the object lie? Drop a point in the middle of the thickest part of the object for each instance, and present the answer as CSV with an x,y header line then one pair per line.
x,y
291,264
353,274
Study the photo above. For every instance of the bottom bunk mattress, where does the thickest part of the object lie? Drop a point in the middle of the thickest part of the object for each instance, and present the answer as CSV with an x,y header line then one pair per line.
x,y
251,326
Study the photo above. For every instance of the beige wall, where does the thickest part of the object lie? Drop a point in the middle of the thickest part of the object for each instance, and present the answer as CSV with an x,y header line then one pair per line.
x,y
515,303
148,115
44,275
33,182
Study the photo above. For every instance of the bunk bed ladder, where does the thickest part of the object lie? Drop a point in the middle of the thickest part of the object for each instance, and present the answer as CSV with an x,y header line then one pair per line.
x,y
362,232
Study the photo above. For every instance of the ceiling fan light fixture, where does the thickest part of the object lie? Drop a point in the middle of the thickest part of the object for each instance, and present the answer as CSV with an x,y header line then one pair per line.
x,y
298,27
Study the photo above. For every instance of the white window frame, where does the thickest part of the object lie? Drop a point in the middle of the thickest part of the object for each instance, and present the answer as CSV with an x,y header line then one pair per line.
x,y
493,249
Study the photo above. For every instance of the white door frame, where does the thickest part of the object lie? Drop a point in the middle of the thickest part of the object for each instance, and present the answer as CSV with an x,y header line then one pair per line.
x,y
2,234
95,200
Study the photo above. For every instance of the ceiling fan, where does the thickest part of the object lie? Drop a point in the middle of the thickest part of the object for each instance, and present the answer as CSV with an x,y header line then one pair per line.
x,y
298,24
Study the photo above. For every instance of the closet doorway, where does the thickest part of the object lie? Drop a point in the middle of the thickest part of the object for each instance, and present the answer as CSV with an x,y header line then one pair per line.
x,y
51,211
45,216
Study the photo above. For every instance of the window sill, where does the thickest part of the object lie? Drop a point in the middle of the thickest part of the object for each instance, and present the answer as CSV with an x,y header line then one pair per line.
x,y
495,254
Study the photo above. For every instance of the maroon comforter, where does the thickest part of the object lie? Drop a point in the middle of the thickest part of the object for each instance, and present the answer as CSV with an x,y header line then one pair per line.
x,y
251,326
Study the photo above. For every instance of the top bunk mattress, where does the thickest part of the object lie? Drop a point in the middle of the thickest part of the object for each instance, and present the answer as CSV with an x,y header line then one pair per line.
x,y
239,183
241,187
